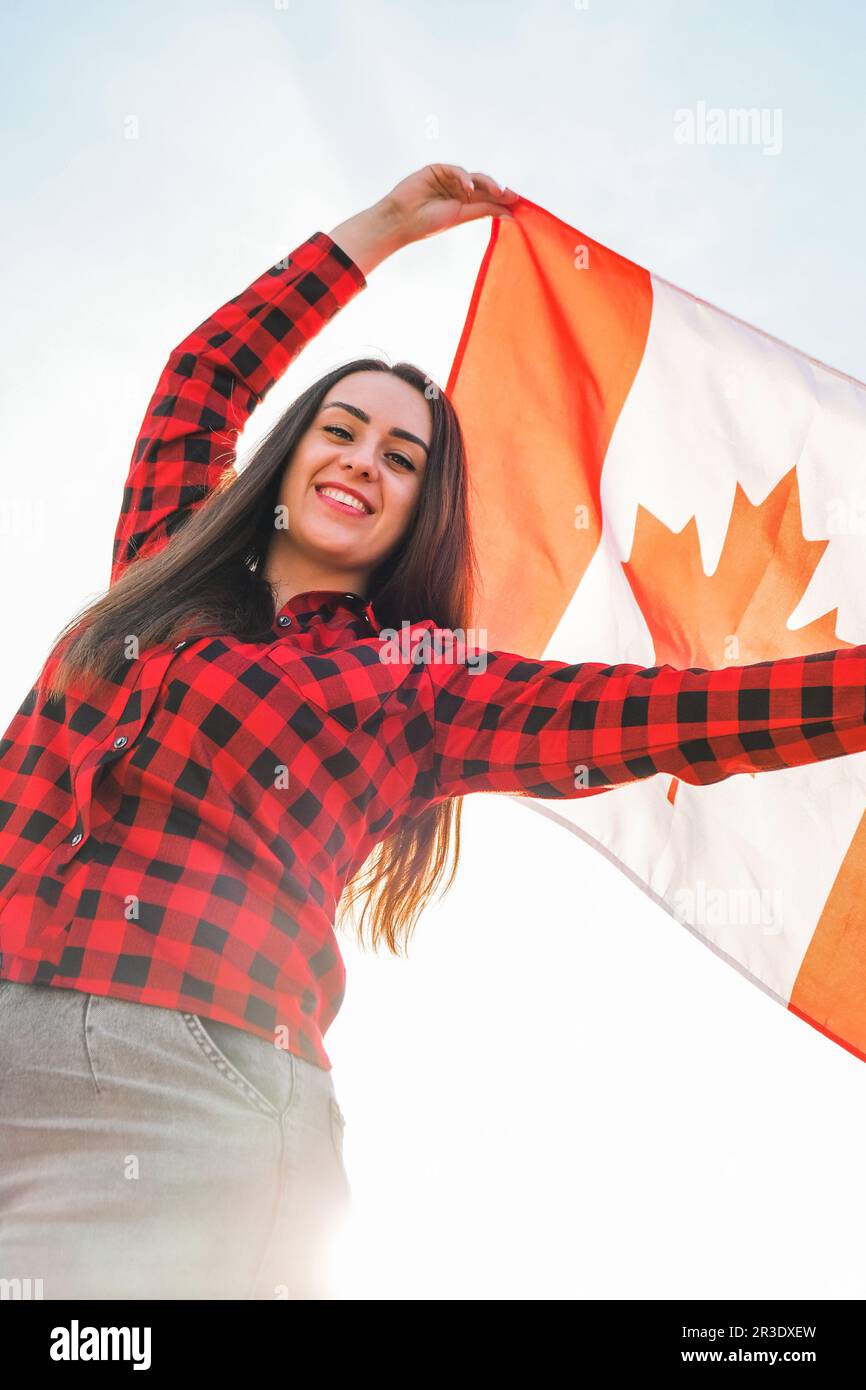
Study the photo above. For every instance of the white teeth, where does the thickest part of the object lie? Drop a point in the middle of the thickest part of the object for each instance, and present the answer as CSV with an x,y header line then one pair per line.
x,y
340,496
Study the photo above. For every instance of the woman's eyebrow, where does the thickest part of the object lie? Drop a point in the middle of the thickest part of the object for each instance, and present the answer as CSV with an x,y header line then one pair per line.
x,y
362,415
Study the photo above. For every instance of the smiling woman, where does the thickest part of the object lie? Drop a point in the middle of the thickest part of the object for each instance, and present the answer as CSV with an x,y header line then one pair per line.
x,y
183,808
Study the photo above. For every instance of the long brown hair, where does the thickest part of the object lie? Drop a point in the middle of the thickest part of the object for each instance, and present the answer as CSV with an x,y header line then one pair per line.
x,y
207,578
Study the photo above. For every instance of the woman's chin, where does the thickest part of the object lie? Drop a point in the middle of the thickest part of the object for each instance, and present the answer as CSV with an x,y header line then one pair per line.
x,y
328,543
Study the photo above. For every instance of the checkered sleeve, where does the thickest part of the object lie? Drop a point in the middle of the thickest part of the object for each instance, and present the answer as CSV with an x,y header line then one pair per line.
x,y
503,723
212,382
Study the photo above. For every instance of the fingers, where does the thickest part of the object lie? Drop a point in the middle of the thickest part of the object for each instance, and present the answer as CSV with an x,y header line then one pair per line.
x,y
491,189
471,210
473,187
456,182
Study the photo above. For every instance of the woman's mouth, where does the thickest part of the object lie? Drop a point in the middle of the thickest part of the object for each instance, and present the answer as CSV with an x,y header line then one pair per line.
x,y
342,501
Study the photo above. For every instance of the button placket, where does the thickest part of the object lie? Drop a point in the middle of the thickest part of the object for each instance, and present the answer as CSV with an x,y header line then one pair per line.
x,y
96,760
153,671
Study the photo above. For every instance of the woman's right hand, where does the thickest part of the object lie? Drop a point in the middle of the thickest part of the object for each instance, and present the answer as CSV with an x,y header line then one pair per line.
x,y
429,201
440,196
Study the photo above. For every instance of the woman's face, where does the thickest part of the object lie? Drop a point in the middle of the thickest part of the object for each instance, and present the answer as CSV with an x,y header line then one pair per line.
x,y
369,438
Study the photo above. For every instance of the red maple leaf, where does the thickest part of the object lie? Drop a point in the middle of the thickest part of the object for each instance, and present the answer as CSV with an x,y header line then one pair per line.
x,y
739,613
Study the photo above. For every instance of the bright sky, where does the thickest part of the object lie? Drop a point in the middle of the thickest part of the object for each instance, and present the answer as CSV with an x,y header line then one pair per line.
x,y
562,1093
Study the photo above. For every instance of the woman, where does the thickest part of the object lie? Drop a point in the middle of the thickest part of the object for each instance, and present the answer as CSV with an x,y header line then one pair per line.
x,y
234,741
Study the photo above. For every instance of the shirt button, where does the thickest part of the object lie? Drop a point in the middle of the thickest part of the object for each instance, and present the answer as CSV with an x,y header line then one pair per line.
x,y
121,741
76,837
284,620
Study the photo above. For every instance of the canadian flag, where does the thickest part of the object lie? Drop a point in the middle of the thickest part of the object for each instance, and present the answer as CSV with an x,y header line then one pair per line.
x,y
653,480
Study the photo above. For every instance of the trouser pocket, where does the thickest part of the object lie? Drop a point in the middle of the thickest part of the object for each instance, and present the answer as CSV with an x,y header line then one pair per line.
x,y
259,1070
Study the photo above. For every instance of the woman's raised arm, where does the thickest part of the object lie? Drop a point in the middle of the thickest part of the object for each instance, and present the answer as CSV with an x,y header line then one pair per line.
x,y
215,378
212,382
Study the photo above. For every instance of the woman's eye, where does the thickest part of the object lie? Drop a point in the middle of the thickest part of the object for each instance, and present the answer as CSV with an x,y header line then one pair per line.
x,y
344,432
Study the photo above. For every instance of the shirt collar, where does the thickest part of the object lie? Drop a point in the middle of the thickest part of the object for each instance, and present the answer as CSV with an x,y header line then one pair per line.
x,y
302,606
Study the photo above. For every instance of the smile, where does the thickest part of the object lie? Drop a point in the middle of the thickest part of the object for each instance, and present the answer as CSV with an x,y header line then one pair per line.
x,y
343,501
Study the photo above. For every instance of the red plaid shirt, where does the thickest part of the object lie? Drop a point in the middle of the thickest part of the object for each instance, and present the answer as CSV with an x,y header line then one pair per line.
x,y
186,841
